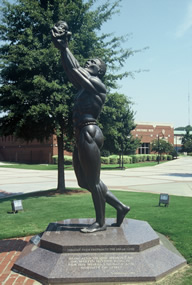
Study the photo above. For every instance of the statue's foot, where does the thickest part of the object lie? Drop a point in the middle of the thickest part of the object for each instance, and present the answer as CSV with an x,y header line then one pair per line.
x,y
121,215
95,227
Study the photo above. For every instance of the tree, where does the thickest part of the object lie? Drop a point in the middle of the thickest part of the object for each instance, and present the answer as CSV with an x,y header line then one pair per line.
x,y
187,141
117,122
161,146
36,98
187,128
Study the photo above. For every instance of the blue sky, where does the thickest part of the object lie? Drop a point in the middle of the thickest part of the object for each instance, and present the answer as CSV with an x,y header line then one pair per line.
x,y
165,26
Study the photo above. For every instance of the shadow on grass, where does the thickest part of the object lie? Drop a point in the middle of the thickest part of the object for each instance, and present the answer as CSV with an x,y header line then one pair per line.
x,y
44,193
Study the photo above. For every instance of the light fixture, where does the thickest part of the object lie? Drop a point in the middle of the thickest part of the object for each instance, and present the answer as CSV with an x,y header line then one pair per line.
x,y
164,199
16,206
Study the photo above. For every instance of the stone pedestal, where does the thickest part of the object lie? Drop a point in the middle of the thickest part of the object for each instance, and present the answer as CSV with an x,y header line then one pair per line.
x,y
132,253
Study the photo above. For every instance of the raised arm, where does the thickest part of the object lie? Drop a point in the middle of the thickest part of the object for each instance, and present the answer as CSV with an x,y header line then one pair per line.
x,y
60,38
78,76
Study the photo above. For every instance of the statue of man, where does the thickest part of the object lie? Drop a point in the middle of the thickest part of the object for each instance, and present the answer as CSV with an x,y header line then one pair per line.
x,y
89,138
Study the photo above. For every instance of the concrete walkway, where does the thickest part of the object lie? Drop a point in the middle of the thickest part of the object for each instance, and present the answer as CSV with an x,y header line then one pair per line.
x,y
174,178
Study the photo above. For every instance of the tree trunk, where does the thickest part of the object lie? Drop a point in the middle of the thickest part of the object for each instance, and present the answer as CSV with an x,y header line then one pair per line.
x,y
119,160
61,175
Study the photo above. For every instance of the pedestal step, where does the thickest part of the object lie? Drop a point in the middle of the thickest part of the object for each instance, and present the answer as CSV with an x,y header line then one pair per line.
x,y
131,253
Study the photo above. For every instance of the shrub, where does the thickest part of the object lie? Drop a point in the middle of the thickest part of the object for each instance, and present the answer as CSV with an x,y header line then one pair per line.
x,y
55,159
164,157
129,159
104,160
113,159
139,157
154,157
126,160
169,157
144,157
135,158
149,157
68,160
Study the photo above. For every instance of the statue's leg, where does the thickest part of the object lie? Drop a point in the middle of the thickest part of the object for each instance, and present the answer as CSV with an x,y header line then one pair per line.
x,y
122,209
81,179
89,143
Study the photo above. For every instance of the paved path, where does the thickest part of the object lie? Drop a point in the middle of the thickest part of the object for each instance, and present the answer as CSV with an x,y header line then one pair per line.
x,y
174,177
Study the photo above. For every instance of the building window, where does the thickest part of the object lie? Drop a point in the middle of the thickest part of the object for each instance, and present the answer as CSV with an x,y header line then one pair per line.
x,y
144,148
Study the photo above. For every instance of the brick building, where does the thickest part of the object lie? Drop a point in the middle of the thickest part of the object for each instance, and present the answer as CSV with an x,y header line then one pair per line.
x,y
17,150
149,132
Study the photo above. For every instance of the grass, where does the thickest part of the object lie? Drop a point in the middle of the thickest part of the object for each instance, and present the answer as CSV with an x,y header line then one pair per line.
x,y
42,208
70,167
32,166
45,207
132,165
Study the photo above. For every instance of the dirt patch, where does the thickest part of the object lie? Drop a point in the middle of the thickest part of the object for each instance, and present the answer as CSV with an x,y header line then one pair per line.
x,y
55,192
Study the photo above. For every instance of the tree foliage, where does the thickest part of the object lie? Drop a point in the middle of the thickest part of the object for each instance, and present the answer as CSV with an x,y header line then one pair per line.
x,y
187,128
36,98
117,120
187,141
161,146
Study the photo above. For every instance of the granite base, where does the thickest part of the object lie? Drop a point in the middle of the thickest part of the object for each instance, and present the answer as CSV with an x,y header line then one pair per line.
x,y
133,252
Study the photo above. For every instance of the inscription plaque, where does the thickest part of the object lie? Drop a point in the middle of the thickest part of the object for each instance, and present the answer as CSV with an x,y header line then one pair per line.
x,y
102,262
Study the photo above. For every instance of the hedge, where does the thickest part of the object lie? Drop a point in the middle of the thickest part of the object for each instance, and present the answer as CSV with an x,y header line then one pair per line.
x,y
169,157
115,159
104,160
68,160
126,159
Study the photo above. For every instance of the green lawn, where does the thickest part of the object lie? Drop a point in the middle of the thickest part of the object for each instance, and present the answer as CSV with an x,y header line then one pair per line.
x,y
39,210
132,165
69,167
45,207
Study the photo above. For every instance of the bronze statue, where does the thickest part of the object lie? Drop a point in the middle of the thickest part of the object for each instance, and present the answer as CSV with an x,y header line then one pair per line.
x,y
89,138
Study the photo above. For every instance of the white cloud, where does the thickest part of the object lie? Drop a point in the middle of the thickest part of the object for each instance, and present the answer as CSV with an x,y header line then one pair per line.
x,y
187,23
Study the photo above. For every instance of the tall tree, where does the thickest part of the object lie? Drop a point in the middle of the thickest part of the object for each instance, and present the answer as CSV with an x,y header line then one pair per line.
x,y
117,122
36,98
161,146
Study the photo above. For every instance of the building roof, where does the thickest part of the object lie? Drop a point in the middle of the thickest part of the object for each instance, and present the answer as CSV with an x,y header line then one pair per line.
x,y
181,133
154,124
